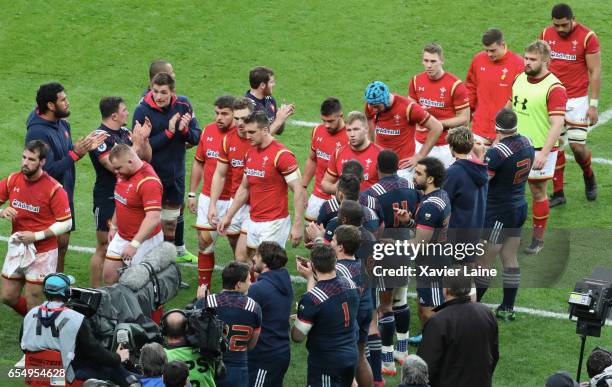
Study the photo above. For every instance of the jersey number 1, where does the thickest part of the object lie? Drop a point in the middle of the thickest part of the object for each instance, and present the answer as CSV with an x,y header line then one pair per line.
x,y
396,206
347,315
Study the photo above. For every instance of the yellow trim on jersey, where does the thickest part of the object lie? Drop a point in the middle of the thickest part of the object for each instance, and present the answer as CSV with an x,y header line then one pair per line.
x,y
551,88
457,83
278,155
152,208
586,38
145,179
408,110
64,218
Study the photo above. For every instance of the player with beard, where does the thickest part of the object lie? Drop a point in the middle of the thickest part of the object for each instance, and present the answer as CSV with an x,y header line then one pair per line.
x,y
539,100
444,96
393,121
114,118
173,124
269,170
39,211
269,360
230,166
135,227
48,124
325,139
359,148
576,61
262,82
204,165
489,84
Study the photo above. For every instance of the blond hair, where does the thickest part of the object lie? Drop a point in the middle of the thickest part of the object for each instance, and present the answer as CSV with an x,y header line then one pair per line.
x,y
541,48
356,116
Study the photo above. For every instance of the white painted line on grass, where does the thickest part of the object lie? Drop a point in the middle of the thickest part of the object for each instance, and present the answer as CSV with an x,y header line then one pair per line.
x,y
604,118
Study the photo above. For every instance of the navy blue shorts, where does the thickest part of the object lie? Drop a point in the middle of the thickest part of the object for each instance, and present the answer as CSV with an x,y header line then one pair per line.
x,y
500,225
331,377
364,318
174,191
432,295
268,374
103,213
234,377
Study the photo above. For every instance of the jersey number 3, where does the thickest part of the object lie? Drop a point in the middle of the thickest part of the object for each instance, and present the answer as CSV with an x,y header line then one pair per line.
x,y
522,171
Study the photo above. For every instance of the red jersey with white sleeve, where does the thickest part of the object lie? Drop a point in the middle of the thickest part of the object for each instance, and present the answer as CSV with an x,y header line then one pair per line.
x,y
489,86
38,203
208,151
395,127
568,57
232,152
134,196
324,145
266,170
367,157
442,98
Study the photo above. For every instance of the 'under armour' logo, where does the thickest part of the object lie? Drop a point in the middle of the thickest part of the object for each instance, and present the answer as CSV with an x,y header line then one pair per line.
x,y
523,104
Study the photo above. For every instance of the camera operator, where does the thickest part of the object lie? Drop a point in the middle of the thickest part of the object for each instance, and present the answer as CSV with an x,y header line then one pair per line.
x,y
83,357
174,329
152,361
599,367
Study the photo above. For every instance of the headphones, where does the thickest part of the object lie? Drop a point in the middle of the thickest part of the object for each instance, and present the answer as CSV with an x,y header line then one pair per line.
x,y
67,293
163,326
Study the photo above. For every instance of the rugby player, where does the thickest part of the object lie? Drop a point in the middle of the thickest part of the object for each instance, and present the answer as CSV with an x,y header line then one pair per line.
x,y
262,81
576,61
444,96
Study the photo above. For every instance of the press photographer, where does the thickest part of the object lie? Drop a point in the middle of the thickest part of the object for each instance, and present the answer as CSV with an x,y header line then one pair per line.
x,y
53,326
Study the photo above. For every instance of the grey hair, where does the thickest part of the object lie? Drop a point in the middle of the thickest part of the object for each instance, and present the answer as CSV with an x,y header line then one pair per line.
x,y
152,359
415,371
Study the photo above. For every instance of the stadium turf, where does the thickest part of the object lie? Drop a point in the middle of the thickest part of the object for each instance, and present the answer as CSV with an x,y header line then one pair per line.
x,y
318,49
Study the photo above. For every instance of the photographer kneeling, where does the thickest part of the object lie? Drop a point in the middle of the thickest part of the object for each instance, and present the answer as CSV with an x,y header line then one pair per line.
x,y
53,326
174,330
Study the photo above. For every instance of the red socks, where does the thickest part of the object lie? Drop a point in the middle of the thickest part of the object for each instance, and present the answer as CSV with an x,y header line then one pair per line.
x,y
586,165
559,170
540,217
21,306
206,265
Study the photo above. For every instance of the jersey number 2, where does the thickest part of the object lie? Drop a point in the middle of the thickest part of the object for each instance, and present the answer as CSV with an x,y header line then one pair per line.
x,y
239,337
523,168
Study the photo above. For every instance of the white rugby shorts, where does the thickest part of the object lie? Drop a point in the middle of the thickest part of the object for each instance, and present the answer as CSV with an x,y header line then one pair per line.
x,y
33,271
275,230
116,246
441,152
314,205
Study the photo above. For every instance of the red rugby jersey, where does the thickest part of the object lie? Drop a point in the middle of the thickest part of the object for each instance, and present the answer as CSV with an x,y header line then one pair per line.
x,y
395,127
568,57
232,152
367,157
134,196
442,98
38,203
324,144
489,86
209,148
266,170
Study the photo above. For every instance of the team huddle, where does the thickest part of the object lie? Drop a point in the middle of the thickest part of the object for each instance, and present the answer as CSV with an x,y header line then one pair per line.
x,y
447,160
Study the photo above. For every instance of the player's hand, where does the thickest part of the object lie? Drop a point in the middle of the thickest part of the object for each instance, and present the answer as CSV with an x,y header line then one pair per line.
x,y
411,162
26,237
184,123
212,215
592,115
223,225
128,252
202,291
172,122
314,230
404,216
8,213
539,161
111,233
286,110
192,203
123,353
146,128
304,270
297,232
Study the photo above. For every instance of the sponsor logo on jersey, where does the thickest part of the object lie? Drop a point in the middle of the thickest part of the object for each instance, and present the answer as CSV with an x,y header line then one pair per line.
x,y
25,206
562,56
237,163
212,154
366,176
254,172
389,132
120,199
322,155
431,103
